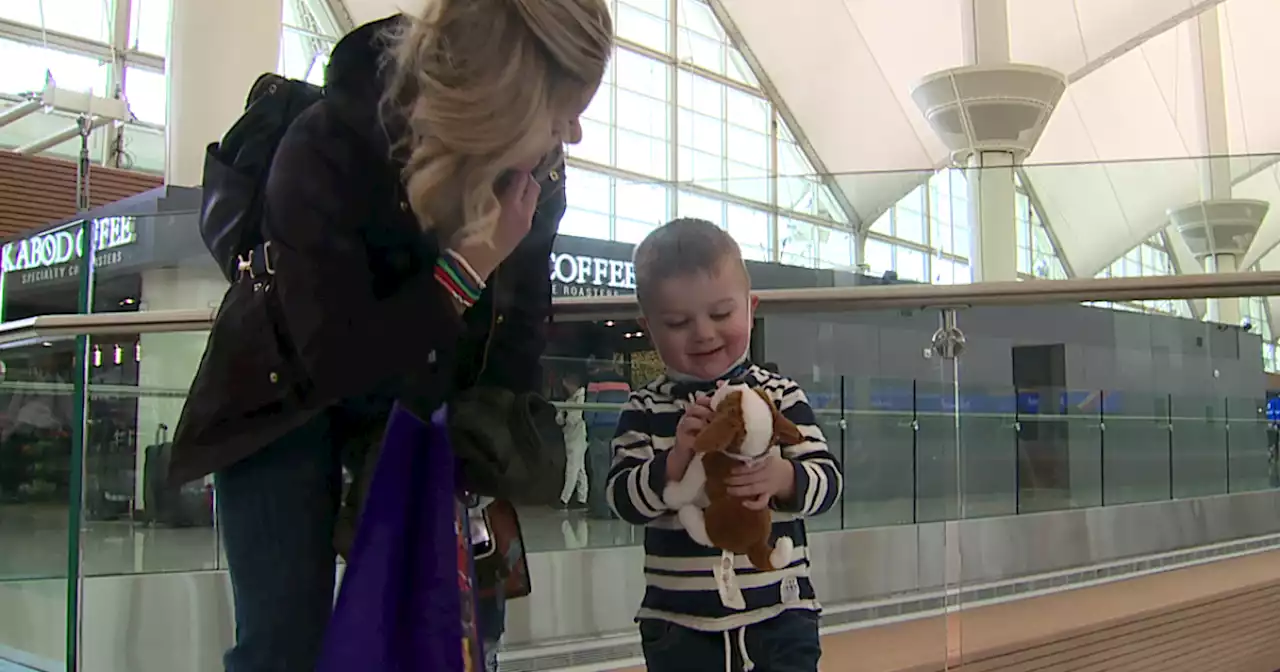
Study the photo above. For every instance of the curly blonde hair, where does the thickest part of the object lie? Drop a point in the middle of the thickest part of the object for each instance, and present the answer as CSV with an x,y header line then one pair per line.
x,y
479,86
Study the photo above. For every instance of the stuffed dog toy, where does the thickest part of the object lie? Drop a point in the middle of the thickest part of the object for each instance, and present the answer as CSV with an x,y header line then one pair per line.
x,y
745,427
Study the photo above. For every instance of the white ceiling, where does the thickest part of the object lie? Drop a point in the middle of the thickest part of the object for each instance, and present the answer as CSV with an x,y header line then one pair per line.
x,y
363,11
1128,121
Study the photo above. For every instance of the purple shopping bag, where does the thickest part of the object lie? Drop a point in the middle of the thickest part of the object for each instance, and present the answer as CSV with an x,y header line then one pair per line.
x,y
406,601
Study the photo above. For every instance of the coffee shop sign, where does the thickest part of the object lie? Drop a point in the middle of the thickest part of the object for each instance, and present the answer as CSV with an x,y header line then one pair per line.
x,y
581,275
58,247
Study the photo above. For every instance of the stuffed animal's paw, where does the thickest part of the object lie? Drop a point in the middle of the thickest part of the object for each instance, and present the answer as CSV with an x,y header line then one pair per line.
x,y
782,550
695,524
685,491
677,496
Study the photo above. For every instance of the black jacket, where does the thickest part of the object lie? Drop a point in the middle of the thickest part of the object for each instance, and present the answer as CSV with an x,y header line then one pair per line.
x,y
352,315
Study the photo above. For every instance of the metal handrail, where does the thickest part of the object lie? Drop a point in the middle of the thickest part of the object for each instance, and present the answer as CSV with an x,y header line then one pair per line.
x,y
915,297
808,300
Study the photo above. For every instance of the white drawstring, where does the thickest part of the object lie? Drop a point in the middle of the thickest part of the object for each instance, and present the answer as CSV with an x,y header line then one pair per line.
x,y
747,664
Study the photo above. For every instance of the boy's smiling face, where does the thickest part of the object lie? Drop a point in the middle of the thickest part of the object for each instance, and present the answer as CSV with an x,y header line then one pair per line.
x,y
701,322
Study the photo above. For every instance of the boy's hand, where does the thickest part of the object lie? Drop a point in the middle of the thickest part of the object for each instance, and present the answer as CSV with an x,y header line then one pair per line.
x,y
768,478
691,424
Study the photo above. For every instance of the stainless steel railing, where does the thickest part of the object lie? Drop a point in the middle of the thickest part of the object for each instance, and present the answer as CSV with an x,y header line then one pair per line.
x,y
810,300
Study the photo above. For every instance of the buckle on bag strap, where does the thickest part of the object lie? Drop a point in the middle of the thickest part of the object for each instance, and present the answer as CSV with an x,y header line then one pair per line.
x,y
255,263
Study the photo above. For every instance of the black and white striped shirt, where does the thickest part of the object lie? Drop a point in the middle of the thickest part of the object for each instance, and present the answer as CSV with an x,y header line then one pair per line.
x,y
680,586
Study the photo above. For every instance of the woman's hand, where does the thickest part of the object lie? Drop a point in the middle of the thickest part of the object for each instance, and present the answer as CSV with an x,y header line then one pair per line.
x,y
519,200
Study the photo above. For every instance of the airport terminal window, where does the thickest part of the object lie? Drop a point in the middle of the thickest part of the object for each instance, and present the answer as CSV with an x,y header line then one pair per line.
x,y
149,26
26,66
948,272
643,22
911,264
908,217
641,208
699,38
723,138
304,55
701,207
595,146
835,249
798,240
750,227
588,216
89,19
879,256
1149,258
643,154
883,224
584,223
145,91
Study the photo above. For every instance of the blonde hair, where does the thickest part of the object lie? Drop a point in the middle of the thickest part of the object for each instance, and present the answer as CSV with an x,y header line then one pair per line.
x,y
477,86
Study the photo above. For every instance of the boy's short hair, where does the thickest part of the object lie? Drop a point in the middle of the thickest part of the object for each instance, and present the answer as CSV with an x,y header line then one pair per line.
x,y
681,247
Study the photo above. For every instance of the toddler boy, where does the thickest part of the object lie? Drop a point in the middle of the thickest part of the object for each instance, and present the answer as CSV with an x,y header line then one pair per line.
x,y
695,297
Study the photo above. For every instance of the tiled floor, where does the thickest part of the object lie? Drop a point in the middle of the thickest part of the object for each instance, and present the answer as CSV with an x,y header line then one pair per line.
x,y
924,644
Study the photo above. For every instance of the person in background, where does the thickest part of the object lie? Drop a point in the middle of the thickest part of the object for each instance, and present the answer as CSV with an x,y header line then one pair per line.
x,y
575,443
605,386
695,295
410,215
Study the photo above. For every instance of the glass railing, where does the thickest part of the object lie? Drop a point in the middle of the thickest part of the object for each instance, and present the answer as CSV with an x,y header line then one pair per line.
x,y
942,445
942,403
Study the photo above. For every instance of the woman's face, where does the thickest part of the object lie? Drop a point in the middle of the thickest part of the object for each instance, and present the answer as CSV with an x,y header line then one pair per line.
x,y
566,129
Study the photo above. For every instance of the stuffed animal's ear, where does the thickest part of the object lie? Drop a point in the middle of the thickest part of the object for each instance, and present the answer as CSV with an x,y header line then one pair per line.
x,y
722,432
725,428
785,432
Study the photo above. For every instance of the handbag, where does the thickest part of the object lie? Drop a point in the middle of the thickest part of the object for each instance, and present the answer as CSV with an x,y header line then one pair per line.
x,y
508,444
503,563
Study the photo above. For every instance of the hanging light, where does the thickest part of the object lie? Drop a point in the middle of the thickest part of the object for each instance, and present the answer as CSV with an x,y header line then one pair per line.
x,y
118,354
97,356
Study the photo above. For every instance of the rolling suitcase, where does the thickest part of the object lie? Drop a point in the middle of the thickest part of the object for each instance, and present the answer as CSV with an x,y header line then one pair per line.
x,y
168,504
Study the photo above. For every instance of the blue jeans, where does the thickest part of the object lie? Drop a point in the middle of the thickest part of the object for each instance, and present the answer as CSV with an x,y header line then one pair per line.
x,y
277,510
787,642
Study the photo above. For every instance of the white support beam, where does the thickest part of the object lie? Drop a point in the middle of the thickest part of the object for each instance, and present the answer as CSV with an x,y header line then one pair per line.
x,y
55,139
990,174
83,102
1183,261
1209,90
71,44
986,31
101,111
121,19
19,111
1142,38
